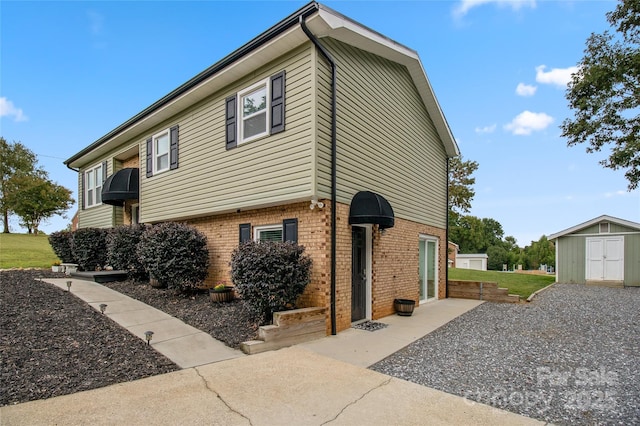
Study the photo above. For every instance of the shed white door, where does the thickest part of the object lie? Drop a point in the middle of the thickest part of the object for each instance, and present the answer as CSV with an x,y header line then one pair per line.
x,y
605,259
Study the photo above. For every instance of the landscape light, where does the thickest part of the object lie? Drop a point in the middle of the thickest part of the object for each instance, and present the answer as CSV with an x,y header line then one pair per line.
x,y
148,335
103,306
69,285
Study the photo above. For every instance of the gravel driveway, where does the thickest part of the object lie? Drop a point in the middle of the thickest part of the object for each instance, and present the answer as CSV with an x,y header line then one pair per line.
x,y
572,356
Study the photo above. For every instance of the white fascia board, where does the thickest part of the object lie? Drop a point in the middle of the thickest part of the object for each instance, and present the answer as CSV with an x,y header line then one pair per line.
x,y
603,218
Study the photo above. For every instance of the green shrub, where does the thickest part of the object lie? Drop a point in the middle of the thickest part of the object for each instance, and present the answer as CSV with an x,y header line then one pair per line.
x,y
62,244
175,254
122,250
90,248
270,276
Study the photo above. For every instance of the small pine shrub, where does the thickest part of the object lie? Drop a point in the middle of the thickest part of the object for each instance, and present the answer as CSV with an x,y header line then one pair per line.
x,y
62,245
90,248
175,254
270,276
122,250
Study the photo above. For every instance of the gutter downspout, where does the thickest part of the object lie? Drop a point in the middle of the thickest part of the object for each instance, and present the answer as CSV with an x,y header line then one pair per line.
x,y
446,233
331,62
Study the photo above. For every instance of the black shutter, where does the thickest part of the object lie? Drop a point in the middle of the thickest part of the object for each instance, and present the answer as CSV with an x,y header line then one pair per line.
x,y
277,103
245,232
290,230
173,151
149,157
104,171
82,186
230,122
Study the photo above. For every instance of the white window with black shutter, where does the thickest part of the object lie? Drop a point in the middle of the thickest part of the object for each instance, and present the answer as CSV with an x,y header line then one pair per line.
x,y
92,180
162,151
286,231
256,111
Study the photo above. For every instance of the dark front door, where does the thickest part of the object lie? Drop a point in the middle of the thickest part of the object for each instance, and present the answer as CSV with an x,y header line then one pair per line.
x,y
358,273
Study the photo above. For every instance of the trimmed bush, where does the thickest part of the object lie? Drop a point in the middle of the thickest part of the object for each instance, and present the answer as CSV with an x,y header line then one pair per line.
x,y
270,276
62,244
175,254
90,248
122,250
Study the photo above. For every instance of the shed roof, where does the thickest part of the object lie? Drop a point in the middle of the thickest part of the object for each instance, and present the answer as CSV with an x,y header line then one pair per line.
x,y
603,218
277,40
473,256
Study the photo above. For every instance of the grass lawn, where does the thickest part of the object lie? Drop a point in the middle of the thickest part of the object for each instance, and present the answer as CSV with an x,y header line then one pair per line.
x,y
520,284
25,251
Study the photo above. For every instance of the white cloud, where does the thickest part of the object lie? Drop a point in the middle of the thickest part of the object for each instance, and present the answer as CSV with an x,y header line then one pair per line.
x,y
527,122
556,76
526,90
466,5
7,109
486,129
96,22
618,193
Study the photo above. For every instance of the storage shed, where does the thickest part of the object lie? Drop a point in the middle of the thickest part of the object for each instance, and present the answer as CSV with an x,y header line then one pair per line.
x,y
604,250
472,261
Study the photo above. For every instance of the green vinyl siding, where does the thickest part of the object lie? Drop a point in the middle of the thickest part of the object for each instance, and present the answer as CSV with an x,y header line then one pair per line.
x,y
632,259
571,260
101,216
387,142
268,171
571,255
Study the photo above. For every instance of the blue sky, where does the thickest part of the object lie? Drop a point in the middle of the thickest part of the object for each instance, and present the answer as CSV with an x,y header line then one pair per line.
x,y
72,71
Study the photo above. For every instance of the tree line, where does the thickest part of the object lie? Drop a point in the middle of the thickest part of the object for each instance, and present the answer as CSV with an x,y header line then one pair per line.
x,y
26,190
485,235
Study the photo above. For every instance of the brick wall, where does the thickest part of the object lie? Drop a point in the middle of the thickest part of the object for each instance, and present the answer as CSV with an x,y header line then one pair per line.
x,y
394,255
395,265
222,232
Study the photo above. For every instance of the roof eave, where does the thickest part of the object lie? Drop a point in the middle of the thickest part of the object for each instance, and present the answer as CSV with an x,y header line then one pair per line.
x,y
593,221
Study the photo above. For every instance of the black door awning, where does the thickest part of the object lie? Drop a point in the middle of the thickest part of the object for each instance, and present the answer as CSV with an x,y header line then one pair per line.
x,y
369,207
121,186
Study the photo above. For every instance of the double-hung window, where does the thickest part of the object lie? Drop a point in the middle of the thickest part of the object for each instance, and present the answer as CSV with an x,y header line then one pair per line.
x,y
254,114
161,152
93,186
256,111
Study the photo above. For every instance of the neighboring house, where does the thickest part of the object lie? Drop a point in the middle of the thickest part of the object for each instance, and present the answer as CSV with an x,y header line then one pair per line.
x,y
472,261
604,250
257,147
452,253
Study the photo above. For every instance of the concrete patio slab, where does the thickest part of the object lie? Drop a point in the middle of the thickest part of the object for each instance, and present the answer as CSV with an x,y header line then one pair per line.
x,y
364,348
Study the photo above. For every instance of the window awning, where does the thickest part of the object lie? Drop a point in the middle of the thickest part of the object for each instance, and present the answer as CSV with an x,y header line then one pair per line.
x,y
369,207
121,186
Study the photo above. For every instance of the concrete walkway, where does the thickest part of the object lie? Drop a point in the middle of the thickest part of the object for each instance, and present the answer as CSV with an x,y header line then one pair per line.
x,y
181,343
316,383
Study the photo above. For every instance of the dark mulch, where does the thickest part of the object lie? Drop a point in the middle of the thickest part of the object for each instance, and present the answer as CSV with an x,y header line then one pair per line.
x,y
230,323
52,343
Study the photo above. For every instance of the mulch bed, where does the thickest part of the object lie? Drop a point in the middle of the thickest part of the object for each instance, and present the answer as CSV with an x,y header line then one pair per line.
x,y
52,343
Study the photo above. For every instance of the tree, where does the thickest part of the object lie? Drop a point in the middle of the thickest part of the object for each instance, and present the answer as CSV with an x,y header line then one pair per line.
x,y
38,199
541,252
461,186
605,93
474,235
16,160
